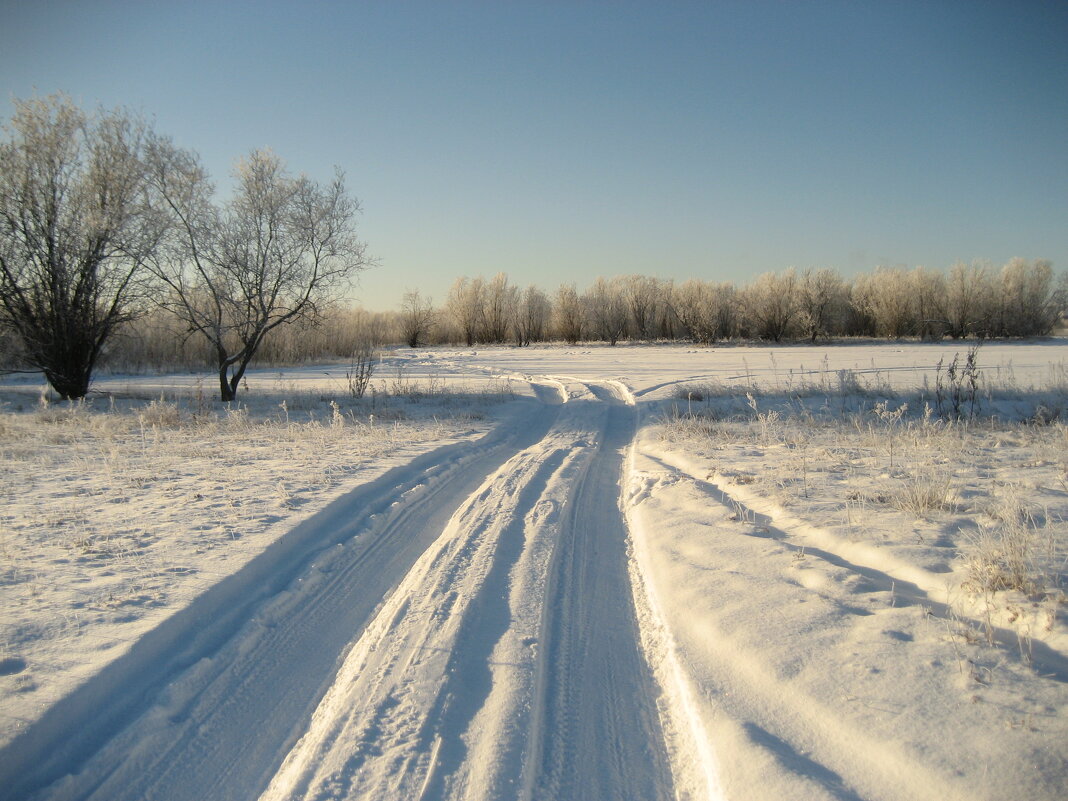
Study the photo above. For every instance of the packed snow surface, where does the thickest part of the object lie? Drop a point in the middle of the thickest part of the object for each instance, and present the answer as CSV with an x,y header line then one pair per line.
x,y
545,573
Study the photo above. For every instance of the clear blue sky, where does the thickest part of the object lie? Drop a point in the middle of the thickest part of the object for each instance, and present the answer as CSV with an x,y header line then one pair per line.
x,y
560,141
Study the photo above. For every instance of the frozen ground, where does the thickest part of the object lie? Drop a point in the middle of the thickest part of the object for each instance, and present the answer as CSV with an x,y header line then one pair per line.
x,y
590,572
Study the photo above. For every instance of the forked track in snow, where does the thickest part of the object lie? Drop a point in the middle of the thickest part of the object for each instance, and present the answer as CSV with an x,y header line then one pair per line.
x,y
508,662
476,639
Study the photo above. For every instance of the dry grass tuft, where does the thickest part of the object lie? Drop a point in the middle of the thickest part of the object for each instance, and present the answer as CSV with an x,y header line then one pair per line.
x,y
1006,554
923,494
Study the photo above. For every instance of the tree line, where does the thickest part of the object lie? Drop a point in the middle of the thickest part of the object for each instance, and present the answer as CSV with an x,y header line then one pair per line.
x,y
976,301
1021,299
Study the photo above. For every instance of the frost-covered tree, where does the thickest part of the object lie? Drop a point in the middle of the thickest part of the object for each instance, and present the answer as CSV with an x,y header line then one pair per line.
x,y
642,296
771,306
532,316
666,321
694,303
1029,303
464,307
567,314
928,293
500,300
885,296
416,318
857,320
75,231
278,251
706,311
969,300
606,309
822,300
727,310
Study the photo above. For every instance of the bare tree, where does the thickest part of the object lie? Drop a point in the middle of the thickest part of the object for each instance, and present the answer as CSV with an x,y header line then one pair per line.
x,y
822,299
567,313
607,310
362,362
532,316
417,318
278,251
928,289
969,298
642,295
1030,304
464,305
75,231
499,303
886,296
771,304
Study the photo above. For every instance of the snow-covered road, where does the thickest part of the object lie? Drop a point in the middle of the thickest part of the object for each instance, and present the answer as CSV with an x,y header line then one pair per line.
x,y
508,662
462,627
596,733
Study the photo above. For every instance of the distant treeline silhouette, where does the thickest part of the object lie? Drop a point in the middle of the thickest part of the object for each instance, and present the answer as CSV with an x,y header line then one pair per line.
x,y
969,301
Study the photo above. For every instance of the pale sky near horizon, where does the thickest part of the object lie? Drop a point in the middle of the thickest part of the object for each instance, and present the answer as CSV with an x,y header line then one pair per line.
x,y
561,141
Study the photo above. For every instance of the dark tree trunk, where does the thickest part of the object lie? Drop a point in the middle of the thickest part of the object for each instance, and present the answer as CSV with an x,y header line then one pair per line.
x,y
68,369
226,392
228,387
69,385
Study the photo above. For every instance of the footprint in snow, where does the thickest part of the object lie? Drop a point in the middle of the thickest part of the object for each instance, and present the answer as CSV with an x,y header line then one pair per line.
x,y
10,665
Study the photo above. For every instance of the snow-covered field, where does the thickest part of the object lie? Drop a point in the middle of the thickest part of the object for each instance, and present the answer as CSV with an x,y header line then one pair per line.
x,y
120,510
568,572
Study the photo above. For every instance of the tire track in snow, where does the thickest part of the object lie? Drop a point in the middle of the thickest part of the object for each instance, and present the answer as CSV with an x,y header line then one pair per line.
x,y
596,731
504,660
727,686
207,705
882,572
778,740
508,662
428,702
470,668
